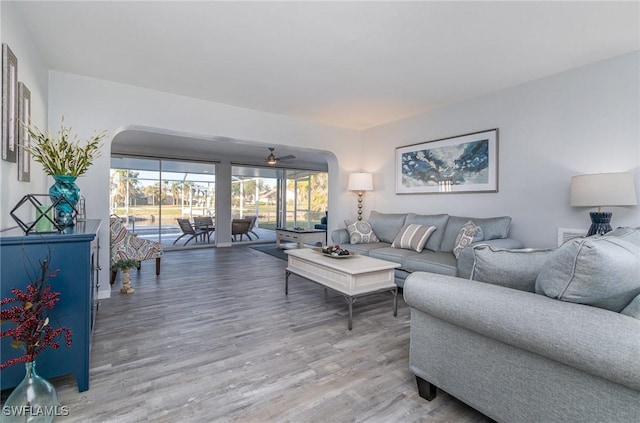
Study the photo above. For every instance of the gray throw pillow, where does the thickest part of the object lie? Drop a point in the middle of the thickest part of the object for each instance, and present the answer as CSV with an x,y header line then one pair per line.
x,y
437,220
360,232
511,268
597,271
468,234
413,237
492,228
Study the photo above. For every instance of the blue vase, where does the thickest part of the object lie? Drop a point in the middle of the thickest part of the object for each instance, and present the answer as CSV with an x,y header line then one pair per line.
x,y
65,187
33,400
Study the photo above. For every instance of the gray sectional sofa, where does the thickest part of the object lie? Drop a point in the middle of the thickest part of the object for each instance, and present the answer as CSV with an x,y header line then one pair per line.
x,y
563,346
437,256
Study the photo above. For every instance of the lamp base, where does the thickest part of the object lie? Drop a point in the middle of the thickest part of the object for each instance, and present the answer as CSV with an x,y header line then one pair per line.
x,y
600,223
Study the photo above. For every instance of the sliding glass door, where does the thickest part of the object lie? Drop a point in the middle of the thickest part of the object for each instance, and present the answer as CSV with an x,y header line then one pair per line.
x,y
150,195
306,198
279,197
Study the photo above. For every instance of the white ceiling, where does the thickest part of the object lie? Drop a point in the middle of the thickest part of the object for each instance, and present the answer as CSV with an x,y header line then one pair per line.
x,y
349,64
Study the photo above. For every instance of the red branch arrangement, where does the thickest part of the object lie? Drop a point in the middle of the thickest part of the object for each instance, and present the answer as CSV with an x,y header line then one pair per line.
x,y
32,331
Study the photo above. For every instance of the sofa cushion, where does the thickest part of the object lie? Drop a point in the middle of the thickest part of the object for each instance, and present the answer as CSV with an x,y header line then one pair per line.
x,y
492,228
432,261
413,237
437,220
626,233
598,271
386,225
360,232
395,255
468,234
633,308
511,268
365,248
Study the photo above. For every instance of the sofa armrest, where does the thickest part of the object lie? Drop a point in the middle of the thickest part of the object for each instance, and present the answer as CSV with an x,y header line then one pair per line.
x,y
465,259
340,236
597,341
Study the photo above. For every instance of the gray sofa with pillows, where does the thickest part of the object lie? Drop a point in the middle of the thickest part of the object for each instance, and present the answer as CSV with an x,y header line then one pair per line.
x,y
537,335
444,249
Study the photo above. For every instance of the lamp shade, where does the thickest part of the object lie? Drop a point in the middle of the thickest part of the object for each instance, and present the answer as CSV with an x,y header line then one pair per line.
x,y
360,181
603,189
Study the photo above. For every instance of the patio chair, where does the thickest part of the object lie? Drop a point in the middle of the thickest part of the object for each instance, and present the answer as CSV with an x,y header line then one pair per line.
x,y
125,245
204,223
240,227
188,230
254,220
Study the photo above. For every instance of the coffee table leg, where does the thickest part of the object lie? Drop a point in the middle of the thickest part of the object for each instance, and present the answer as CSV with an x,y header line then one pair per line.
x,y
286,282
395,301
350,302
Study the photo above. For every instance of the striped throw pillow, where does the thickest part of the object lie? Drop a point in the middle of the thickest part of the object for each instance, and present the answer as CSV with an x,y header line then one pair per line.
x,y
413,237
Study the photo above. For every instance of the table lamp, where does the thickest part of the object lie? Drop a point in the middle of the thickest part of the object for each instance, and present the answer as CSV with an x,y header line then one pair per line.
x,y
599,190
360,182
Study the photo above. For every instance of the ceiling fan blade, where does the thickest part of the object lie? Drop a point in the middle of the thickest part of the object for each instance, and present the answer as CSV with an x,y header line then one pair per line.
x,y
289,157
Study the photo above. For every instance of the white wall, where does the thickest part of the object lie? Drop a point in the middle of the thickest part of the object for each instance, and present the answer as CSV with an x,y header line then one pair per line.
x,y
32,72
586,120
89,104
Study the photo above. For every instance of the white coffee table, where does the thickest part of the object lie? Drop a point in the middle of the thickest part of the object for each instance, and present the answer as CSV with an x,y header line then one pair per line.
x,y
352,277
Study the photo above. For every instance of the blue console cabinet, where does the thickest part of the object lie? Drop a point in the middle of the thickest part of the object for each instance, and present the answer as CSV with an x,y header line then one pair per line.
x,y
75,254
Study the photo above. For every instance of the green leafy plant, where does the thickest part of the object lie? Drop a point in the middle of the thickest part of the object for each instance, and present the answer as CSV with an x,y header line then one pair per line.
x,y
63,154
125,264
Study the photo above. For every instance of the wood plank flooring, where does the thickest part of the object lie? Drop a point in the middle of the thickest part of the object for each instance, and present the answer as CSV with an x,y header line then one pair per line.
x,y
214,339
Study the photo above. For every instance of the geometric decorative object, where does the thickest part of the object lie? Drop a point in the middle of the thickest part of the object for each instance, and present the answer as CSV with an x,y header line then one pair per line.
x,y
34,216
360,182
602,189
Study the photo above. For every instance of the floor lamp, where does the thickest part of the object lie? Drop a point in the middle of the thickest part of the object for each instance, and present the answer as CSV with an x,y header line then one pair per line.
x,y
360,182
602,189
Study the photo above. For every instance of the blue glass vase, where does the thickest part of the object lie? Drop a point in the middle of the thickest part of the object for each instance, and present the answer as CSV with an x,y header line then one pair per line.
x,y
33,400
66,187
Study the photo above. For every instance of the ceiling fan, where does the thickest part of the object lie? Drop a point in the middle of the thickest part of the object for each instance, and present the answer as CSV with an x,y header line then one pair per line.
x,y
272,159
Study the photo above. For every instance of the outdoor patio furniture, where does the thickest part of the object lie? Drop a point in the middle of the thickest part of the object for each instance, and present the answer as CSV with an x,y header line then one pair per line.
x,y
254,220
240,227
125,245
189,230
204,223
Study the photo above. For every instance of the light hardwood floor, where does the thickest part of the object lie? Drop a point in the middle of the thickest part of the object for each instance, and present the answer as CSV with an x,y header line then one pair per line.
x,y
214,339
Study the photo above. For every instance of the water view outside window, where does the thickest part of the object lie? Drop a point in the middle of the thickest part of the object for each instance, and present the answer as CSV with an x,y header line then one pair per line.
x,y
151,194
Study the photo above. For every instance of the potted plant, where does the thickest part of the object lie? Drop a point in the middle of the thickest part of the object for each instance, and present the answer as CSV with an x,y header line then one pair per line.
x,y
64,158
125,265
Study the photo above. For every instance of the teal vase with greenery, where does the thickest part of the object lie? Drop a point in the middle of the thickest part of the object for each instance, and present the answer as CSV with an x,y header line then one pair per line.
x,y
63,158
65,186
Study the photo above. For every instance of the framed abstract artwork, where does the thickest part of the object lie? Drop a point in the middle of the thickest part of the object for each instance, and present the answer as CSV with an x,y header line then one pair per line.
x,y
461,164
9,104
24,116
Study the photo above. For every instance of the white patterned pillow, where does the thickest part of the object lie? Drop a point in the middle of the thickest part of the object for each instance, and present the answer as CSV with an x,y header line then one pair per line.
x,y
469,233
413,237
360,232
